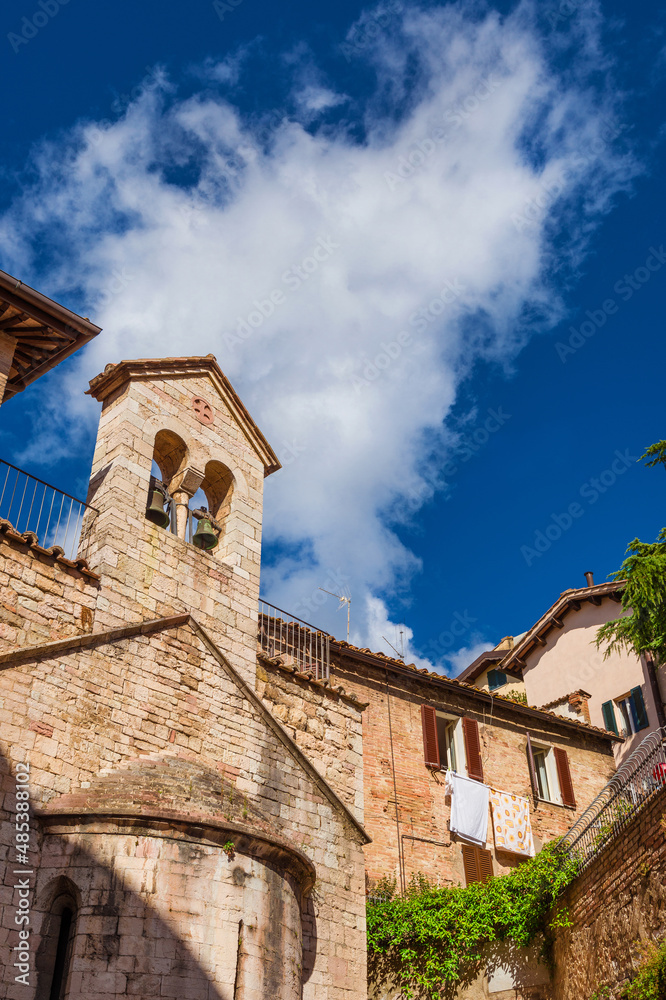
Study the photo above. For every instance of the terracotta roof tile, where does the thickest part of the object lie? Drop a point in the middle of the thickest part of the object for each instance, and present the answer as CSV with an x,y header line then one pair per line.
x,y
55,552
475,692
307,677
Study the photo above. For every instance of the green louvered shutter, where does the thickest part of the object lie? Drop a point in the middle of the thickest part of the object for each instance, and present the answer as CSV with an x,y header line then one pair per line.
x,y
608,710
638,705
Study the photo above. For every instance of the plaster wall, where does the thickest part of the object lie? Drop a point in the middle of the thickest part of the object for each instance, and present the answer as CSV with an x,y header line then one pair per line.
x,y
512,683
570,661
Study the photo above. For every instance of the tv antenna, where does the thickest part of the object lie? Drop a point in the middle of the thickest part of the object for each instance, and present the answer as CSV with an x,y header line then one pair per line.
x,y
401,654
343,600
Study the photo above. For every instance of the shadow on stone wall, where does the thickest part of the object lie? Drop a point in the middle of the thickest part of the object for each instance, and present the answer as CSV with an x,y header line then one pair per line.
x,y
123,945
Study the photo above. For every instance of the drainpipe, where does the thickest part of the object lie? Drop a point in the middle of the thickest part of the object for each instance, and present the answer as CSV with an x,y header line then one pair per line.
x,y
651,672
395,792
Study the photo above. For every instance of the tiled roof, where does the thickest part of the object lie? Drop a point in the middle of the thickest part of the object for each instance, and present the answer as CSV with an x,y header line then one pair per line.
x,y
381,659
566,697
569,600
307,677
55,552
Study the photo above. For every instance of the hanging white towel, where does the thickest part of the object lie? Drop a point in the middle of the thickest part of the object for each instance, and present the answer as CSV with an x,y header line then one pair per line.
x,y
469,807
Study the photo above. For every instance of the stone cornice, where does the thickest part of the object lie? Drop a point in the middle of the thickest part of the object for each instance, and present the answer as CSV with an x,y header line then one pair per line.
x,y
115,376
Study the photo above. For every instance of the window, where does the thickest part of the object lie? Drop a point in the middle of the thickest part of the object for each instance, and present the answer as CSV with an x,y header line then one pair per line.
x,y
478,864
550,774
542,774
496,679
451,742
446,737
631,711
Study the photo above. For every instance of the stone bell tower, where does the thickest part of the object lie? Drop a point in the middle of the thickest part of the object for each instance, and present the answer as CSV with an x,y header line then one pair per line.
x,y
183,414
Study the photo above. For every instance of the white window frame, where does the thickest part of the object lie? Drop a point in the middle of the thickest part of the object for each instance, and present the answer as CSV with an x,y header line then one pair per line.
x,y
455,726
551,773
626,718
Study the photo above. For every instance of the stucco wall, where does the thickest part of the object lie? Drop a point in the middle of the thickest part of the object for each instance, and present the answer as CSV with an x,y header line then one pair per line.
x,y
570,660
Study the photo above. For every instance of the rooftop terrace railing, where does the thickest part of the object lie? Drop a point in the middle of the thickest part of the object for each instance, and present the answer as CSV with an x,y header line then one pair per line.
x,y
298,642
637,782
30,504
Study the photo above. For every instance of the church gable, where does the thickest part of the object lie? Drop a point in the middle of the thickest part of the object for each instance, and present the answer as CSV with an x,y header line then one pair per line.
x,y
170,692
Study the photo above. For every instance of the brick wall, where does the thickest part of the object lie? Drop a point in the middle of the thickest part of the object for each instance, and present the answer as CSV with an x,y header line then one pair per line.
x,y
617,904
423,807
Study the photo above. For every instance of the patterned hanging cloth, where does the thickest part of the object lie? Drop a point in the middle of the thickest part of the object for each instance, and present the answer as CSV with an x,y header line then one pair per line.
x,y
511,823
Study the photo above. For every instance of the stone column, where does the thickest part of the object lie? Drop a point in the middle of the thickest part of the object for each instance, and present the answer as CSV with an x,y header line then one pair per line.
x,y
7,346
187,483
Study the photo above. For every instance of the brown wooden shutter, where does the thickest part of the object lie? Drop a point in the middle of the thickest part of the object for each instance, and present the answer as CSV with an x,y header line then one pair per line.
x,y
470,863
532,768
478,864
485,862
430,742
564,776
473,749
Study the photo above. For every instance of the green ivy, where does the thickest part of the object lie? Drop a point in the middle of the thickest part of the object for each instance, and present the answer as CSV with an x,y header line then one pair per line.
x,y
432,938
650,982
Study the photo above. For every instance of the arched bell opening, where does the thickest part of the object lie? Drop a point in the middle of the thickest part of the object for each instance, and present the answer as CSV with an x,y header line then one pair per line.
x,y
169,458
217,489
170,454
53,962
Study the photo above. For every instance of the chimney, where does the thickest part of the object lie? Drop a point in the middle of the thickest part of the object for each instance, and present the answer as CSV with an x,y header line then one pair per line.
x,y
589,576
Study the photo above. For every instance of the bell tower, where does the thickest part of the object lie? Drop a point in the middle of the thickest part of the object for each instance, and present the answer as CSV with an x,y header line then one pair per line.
x,y
156,557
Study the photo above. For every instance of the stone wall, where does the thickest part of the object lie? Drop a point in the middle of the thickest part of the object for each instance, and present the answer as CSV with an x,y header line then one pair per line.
x,y
146,571
616,905
149,725
43,596
323,720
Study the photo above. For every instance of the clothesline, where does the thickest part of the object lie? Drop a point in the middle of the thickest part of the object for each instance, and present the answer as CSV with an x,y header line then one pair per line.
x,y
512,827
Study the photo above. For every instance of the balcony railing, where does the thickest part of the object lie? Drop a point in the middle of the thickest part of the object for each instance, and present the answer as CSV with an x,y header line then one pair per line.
x,y
638,780
300,644
30,504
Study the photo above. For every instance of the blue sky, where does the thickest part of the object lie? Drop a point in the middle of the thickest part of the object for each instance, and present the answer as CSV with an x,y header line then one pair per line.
x,y
473,363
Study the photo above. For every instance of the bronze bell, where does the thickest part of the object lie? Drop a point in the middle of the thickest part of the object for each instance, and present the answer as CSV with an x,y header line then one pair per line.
x,y
204,537
156,512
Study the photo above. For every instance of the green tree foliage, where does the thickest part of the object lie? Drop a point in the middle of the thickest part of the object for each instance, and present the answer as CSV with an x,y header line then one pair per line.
x,y
432,938
644,596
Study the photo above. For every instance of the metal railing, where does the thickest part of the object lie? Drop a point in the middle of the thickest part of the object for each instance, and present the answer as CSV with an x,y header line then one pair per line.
x,y
638,780
30,504
298,642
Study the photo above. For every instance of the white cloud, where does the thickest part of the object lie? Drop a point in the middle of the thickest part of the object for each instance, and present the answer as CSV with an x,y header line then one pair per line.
x,y
450,207
463,657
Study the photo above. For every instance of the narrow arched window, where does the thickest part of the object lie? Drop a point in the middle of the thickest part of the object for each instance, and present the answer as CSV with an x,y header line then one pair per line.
x,y
54,954
63,954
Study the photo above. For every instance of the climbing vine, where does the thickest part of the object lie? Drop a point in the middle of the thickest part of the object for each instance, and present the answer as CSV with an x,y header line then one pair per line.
x,y
432,938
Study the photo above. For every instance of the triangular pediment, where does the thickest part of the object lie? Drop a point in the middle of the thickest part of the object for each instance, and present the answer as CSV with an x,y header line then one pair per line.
x,y
115,376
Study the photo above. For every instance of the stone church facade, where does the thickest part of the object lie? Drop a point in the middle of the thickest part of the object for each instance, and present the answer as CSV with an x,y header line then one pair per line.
x,y
182,843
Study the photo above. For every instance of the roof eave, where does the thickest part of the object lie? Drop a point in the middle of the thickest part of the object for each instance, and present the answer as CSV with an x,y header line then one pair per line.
x,y
455,686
